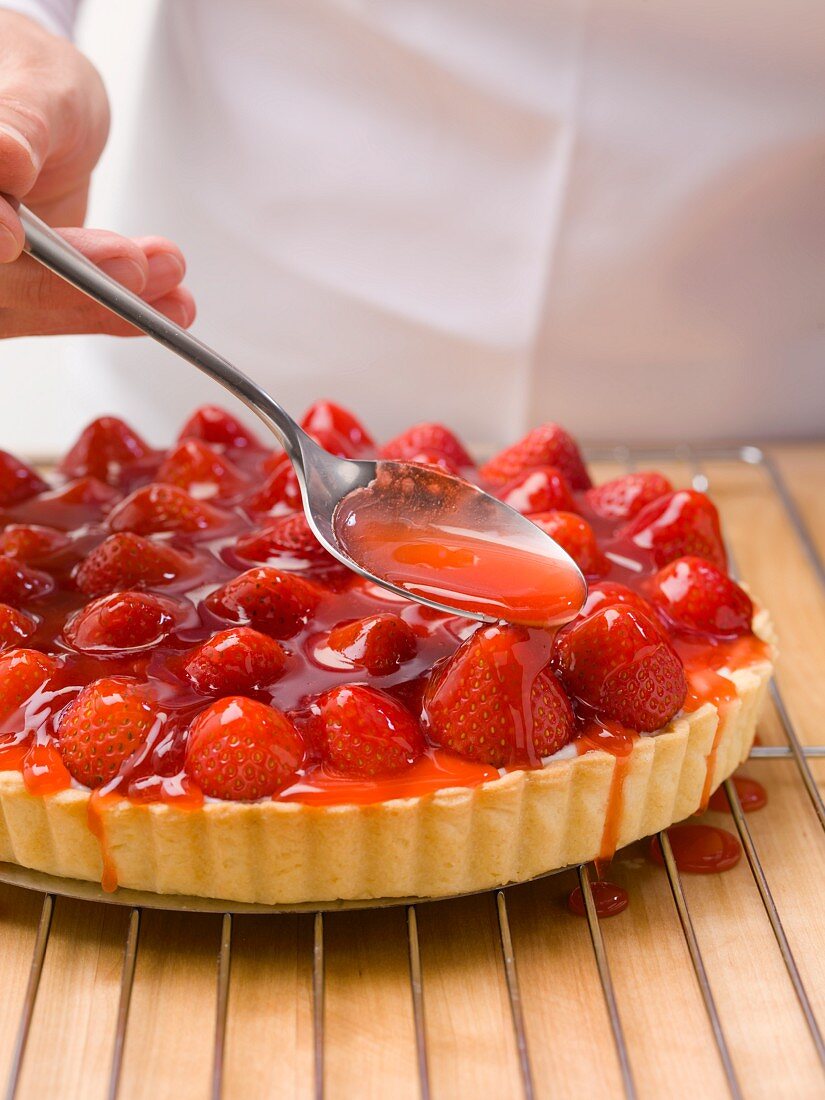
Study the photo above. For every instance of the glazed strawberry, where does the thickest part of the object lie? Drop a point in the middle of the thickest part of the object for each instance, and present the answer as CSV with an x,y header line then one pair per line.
x,y
242,750
32,543
619,662
202,472
432,460
86,490
19,583
624,497
15,626
366,733
677,525
126,560
543,489
327,420
105,725
423,438
235,661
474,704
290,535
575,535
155,508
215,425
105,447
548,445
17,481
611,592
22,673
122,622
696,595
279,493
271,600
378,643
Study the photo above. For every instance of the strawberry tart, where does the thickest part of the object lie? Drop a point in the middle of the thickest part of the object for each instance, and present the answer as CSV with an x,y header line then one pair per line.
x,y
195,698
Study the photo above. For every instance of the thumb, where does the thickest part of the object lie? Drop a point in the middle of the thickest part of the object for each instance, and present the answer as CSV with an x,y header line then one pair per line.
x,y
24,140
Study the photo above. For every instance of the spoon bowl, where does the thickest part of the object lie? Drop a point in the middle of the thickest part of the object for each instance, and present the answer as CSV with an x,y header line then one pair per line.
x,y
466,536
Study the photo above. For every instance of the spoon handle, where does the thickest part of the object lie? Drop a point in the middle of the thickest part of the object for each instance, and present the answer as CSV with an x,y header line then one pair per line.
x,y
50,249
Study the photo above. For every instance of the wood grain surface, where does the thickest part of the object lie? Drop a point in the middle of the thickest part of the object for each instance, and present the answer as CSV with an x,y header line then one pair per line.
x,y
364,1032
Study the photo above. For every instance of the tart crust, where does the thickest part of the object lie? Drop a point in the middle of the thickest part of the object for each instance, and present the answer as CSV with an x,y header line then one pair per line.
x,y
454,841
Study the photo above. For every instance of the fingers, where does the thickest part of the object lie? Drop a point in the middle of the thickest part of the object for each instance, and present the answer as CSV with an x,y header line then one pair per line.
x,y
34,301
11,233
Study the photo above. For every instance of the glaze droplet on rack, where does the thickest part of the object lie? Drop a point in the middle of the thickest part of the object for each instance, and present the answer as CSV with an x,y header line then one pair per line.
x,y
699,849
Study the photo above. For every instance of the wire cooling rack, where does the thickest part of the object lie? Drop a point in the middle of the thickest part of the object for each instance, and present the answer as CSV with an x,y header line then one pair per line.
x,y
698,461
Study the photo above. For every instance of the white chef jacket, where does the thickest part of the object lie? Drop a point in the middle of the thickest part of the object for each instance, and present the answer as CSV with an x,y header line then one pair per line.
x,y
606,213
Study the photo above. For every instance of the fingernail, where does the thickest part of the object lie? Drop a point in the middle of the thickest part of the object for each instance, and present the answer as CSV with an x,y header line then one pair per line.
x,y
179,313
9,247
125,271
16,136
166,265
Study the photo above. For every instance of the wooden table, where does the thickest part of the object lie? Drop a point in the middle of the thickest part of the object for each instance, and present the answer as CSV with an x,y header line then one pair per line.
x,y
507,992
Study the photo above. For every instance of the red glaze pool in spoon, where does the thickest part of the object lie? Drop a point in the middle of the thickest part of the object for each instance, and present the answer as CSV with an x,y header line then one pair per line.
x,y
435,537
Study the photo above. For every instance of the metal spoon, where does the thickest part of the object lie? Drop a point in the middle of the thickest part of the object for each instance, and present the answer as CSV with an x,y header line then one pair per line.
x,y
325,479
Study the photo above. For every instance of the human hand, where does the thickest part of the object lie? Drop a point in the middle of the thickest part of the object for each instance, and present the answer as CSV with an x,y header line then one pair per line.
x,y
54,120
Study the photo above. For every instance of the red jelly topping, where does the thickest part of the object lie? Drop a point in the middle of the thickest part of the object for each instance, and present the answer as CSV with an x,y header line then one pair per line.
x,y
181,602
752,796
699,849
608,899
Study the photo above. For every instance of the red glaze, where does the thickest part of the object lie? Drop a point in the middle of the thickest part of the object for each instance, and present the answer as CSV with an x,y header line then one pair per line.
x,y
608,898
752,796
699,849
204,600
387,528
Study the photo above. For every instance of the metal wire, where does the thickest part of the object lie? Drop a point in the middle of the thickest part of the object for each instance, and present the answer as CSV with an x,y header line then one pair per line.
x,y
224,963
417,990
758,872
127,980
318,1004
675,880
515,995
36,969
607,982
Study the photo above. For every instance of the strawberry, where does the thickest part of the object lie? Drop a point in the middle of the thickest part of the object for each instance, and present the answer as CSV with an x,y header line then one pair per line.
x,y
19,583
86,490
155,508
121,622
279,493
15,626
618,661
105,725
202,472
575,535
435,461
275,602
212,424
326,420
427,438
378,643
624,497
289,534
474,703
32,543
22,673
365,733
611,592
696,595
678,525
242,750
548,445
126,560
103,449
541,489
17,481
234,661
